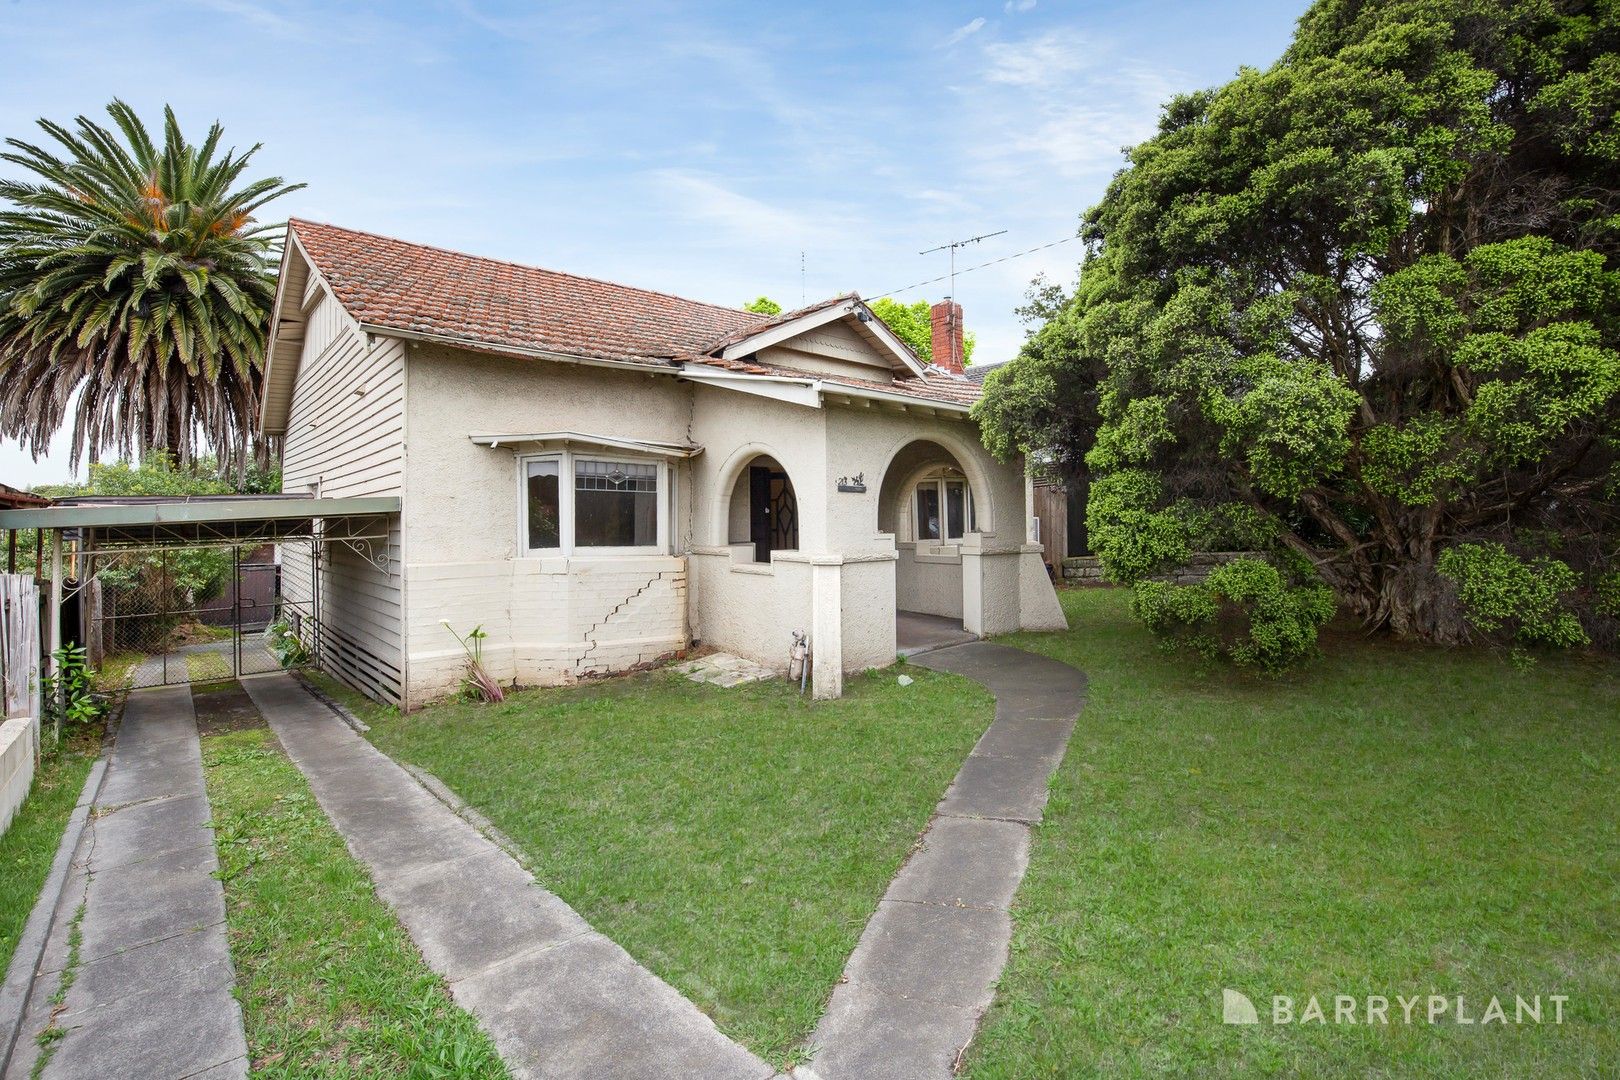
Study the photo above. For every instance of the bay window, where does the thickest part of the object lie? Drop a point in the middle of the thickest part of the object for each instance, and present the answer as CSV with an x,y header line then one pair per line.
x,y
582,503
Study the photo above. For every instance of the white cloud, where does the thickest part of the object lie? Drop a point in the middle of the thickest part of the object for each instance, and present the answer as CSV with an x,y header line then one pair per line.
x,y
1050,58
965,31
1016,7
1062,102
703,199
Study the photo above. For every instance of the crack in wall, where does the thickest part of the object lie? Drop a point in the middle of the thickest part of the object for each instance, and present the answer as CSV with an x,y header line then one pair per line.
x,y
590,634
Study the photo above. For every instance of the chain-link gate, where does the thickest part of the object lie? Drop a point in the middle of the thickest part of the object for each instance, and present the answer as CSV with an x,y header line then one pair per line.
x,y
174,615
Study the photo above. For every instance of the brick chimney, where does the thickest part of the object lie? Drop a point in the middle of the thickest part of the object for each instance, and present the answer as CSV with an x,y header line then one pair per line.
x,y
945,318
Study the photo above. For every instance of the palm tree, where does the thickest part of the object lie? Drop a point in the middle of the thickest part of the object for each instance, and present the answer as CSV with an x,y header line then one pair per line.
x,y
135,291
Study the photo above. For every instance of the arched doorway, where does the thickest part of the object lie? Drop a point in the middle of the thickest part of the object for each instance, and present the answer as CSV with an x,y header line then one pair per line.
x,y
927,502
763,510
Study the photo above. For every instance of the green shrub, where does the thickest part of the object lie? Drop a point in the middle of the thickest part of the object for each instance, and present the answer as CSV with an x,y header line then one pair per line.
x,y
1246,611
1502,595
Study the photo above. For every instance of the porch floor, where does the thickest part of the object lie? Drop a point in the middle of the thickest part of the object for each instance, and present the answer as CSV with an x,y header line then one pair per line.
x,y
918,633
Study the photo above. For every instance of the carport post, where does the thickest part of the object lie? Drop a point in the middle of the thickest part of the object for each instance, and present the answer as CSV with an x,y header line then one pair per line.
x,y
55,635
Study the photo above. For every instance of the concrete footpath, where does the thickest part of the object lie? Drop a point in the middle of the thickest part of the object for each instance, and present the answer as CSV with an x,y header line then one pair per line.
x,y
559,999
926,966
150,993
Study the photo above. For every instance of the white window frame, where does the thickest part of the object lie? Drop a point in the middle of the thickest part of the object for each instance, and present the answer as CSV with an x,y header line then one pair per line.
x,y
939,481
565,503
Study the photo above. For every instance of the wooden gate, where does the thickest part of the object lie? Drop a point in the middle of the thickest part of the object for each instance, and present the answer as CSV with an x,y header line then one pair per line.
x,y
19,644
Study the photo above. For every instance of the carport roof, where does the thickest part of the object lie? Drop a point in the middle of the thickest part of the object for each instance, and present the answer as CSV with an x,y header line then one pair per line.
x,y
198,519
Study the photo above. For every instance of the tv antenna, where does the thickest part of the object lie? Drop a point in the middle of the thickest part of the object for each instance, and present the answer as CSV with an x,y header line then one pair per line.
x,y
955,362
953,245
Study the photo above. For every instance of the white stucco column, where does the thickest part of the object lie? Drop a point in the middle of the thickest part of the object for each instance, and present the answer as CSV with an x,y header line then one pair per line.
x,y
973,584
827,626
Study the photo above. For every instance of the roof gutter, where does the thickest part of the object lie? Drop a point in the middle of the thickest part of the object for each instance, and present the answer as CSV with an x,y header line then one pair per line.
x,y
474,345
841,390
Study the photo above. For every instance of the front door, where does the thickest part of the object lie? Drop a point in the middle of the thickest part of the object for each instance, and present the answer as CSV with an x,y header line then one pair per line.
x,y
773,513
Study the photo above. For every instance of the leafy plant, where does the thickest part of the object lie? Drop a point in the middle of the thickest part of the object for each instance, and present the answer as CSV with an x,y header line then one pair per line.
x,y
68,689
1247,611
285,645
477,684
1369,295
1503,594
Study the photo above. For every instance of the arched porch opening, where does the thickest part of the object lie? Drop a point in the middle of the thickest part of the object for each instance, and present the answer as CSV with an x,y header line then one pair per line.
x,y
927,502
762,511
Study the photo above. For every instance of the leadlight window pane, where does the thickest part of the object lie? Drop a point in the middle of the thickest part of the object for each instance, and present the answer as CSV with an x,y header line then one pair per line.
x,y
928,512
615,503
545,511
955,496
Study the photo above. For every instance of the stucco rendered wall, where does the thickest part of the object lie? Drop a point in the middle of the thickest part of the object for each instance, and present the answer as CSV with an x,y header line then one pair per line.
x,y
550,620
928,579
553,619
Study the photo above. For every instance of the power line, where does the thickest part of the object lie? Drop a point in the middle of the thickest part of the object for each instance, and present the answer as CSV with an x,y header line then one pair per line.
x,y
970,269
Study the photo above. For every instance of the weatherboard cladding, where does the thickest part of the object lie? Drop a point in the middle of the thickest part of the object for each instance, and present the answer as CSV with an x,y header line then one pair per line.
x,y
490,304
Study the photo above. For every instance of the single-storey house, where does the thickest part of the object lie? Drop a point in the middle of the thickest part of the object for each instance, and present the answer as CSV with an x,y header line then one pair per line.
x,y
600,476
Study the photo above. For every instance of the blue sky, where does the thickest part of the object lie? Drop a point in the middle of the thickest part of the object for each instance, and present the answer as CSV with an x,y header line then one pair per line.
x,y
698,149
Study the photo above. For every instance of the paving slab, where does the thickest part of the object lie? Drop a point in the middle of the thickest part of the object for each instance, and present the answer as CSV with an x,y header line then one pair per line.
x,y
990,786
193,960
432,905
926,966
901,1038
963,863
559,999
151,996
559,1012
948,955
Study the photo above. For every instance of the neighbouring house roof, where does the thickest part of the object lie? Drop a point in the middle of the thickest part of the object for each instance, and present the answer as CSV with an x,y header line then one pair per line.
x,y
16,499
976,372
496,306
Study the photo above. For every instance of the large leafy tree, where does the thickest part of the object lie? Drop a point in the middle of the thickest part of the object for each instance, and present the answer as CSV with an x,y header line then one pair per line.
x,y
135,289
1361,310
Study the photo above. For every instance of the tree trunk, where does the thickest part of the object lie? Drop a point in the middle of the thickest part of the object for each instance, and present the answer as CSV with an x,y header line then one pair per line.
x,y
1412,602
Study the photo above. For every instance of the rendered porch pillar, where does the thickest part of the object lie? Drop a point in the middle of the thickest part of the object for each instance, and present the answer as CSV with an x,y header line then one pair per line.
x,y
827,626
973,584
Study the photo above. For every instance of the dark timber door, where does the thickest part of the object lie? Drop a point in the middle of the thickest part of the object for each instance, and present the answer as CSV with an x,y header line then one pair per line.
x,y
773,513
759,511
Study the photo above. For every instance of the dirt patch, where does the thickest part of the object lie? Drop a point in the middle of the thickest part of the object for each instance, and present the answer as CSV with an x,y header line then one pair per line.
x,y
224,707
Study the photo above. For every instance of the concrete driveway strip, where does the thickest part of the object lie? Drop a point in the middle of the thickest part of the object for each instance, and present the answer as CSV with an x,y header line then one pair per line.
x,y
926,966
559,999
151,992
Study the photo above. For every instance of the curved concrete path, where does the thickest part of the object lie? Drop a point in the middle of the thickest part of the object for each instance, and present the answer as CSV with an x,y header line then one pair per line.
x,y
926,966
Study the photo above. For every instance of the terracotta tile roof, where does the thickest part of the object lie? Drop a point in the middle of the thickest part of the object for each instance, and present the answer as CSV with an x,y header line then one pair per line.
x,y
494,305
428,290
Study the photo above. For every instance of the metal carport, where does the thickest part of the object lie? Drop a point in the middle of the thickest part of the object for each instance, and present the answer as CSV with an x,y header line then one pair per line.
x,y
87,528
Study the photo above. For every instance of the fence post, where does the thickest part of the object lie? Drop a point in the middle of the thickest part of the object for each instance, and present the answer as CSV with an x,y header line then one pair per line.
x,y
55,635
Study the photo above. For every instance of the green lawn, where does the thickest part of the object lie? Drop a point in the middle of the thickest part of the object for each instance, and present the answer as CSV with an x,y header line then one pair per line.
x,y
29,845
1388,820
734,841
330,984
